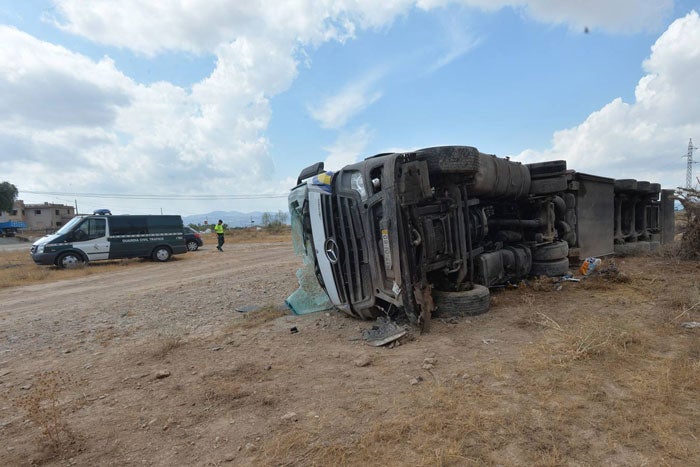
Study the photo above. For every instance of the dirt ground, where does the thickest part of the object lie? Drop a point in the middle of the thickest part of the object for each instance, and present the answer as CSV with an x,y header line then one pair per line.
x,y
152,365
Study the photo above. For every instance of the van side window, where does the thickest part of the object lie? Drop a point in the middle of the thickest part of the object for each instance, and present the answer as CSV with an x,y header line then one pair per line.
x,y
89,230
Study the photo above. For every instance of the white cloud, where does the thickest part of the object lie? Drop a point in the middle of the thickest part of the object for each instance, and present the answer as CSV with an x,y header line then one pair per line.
x,y
347,148
624,140
68,121
335,111
618,16
458,42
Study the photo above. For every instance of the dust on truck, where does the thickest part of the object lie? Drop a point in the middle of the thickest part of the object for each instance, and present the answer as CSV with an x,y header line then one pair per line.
x,y
411,233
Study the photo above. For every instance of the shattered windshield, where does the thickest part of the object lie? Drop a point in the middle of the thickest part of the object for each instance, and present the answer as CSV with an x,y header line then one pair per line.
x,y
309,297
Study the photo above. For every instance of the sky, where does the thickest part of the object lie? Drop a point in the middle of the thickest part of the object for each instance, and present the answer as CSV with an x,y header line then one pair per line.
x,y
192,106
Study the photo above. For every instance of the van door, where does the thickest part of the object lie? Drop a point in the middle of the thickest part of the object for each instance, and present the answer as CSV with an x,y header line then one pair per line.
x,y
91,237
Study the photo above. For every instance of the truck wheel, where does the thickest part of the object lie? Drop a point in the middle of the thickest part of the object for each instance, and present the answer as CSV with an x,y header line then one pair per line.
x,y
467,303
70,260
551,251
555,268
451,159
161,253
544,186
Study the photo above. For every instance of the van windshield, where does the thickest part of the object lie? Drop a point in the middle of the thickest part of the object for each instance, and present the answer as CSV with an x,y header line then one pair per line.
x,y
69,226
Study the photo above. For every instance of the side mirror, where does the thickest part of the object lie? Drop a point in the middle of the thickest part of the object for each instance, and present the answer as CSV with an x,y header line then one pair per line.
x,y
310,171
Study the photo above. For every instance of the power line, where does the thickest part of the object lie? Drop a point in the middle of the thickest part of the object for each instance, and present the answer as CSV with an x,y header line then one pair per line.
x,y
155,197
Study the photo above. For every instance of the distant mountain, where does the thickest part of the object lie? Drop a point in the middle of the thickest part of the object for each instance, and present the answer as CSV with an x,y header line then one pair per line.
x,y
232,218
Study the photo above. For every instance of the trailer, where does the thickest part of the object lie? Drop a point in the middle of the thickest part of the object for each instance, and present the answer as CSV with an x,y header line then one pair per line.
x,y
408,234
10,228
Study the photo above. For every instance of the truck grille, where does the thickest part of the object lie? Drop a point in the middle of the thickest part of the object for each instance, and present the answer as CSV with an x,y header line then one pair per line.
x,y
343,224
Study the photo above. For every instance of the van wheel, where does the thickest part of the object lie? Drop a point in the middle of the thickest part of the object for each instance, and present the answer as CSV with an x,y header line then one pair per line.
x,y
161,254
192,246
467,303
70,260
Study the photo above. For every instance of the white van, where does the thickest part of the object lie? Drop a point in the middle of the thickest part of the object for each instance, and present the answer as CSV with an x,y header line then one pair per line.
x,y
98,237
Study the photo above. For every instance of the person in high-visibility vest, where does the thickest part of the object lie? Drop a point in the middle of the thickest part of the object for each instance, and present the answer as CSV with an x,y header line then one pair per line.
x,y
219,229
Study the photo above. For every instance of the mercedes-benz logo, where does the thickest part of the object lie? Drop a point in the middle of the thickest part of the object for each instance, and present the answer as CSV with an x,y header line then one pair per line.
x,y
331,249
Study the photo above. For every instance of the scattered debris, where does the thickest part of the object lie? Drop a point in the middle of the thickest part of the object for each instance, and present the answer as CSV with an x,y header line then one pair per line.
x,y
384,332
416,380
589,266
294,330
363,360
691,324
162,374
292,416
489,341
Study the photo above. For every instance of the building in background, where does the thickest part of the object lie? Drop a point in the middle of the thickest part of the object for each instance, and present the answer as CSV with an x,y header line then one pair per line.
x,y
17,213
45,216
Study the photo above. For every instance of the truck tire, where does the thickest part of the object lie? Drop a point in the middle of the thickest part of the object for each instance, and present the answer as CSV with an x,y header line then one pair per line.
x,y
467,303
546,169
551,251
555,268
451,159
545,186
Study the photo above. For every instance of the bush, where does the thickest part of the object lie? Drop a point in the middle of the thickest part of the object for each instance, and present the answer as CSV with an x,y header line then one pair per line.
x,y
690,240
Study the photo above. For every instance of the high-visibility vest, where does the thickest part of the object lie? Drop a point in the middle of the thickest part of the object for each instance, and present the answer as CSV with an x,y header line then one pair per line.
x,y
219,228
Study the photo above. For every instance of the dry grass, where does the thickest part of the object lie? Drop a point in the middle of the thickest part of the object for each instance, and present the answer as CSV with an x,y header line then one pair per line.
x,y
256,318
583,396
165,345
595,386
44,409
250,236
17,267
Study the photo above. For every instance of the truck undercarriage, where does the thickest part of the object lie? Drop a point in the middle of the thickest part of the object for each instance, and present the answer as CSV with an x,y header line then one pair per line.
x,y
431,230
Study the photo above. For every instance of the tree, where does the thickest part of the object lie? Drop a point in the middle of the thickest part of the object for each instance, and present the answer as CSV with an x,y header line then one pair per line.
x,y
274,222
8,194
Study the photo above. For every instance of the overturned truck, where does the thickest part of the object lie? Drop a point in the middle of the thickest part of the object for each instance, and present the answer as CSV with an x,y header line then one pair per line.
x,y
406,234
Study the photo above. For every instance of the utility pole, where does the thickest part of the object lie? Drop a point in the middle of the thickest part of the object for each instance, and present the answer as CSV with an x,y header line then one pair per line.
x,y
689,170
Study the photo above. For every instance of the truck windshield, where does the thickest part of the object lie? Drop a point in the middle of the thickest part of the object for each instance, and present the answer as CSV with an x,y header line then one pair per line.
x,y
69,226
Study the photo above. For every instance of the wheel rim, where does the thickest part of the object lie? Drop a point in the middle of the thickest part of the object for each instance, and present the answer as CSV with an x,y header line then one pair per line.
x,y
162,254
70,261
192,246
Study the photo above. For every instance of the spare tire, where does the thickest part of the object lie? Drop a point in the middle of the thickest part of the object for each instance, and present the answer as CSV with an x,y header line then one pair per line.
x,y
555,268
467,303
551,251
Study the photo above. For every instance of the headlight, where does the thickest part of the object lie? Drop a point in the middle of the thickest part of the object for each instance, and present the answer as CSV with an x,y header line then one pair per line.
x,y
358,184
40,248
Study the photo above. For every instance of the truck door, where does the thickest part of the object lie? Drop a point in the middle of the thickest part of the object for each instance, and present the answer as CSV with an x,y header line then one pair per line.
x,y
91,237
